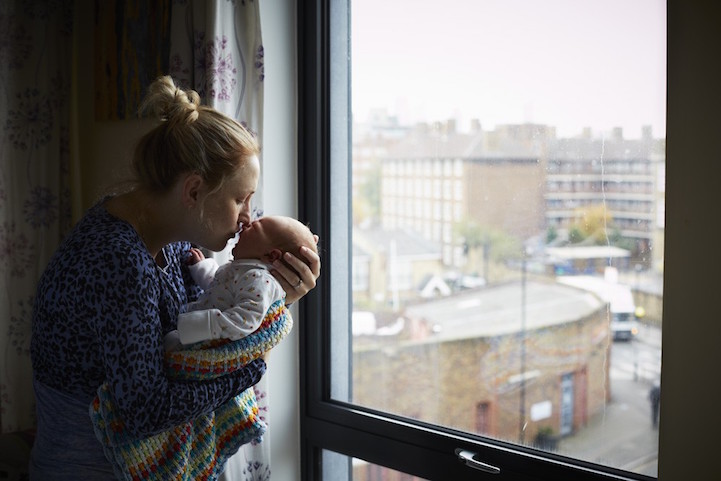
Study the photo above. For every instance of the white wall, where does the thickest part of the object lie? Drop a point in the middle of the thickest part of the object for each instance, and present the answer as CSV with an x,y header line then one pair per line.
x,y
280,197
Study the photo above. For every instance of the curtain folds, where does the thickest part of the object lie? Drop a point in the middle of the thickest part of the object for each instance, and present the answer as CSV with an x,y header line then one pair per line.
x,y
35,211
216,49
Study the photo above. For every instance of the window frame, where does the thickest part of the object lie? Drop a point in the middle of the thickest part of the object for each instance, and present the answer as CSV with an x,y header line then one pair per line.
x,y
417,448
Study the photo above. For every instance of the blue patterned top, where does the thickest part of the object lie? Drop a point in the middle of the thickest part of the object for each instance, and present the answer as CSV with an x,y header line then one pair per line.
x,y
103,306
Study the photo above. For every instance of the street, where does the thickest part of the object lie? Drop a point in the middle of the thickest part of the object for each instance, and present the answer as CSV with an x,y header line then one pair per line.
x,y
623,435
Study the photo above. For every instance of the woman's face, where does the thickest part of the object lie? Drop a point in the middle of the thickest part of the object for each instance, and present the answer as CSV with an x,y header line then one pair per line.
x,y
229,209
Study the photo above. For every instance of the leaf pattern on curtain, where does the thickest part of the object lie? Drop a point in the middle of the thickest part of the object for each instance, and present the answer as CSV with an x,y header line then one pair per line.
x,y
216,49
35,69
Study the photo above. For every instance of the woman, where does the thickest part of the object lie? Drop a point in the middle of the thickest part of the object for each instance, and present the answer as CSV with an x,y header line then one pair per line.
x,y
119,280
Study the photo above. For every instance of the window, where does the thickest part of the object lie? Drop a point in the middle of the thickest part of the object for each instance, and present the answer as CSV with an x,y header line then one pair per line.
x,y
516,385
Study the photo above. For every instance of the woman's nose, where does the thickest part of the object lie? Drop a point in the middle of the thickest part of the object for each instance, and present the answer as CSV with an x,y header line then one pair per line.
x,y
244,216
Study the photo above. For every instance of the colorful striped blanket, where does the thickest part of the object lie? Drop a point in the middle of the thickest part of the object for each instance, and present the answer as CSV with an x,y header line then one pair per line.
x,y
198,449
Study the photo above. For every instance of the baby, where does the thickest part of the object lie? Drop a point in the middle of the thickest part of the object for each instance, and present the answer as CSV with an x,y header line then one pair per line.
x,y
240,316
238,294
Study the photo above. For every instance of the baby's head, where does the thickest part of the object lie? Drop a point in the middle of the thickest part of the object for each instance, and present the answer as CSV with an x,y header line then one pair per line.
x,y
269,237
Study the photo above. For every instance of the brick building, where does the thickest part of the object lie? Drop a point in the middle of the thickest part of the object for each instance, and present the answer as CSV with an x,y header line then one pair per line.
x,y
469,361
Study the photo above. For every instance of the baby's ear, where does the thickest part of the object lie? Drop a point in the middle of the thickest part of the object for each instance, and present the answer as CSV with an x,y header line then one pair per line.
x,y
274,255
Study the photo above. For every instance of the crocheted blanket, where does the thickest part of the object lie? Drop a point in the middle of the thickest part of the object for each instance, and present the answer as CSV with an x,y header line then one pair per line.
x,y
198,449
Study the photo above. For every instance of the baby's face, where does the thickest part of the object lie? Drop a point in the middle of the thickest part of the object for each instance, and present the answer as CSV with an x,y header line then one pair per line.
x,y
257,238
265,234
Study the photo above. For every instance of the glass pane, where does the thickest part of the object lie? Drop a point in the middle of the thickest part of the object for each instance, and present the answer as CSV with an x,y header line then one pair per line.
x,y
359,470
507,192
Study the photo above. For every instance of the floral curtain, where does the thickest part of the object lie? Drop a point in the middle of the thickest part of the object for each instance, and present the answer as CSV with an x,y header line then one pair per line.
x,y
35,210
216,48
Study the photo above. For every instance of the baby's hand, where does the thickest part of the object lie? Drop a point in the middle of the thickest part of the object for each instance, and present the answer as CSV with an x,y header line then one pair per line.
x,y
195,256
171,341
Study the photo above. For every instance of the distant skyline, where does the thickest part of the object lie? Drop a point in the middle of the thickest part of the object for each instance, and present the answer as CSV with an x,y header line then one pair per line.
x,y
566,63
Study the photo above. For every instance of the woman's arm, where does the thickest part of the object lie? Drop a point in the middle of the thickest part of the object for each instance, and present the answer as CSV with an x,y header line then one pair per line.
x,y
129,330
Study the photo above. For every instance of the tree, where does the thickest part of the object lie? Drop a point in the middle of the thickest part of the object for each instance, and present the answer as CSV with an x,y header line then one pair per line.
x,y
591,223
495,245
366,205
551,234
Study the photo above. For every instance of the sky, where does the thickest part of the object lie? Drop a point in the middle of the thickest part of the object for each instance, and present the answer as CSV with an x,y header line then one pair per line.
x,y
566,63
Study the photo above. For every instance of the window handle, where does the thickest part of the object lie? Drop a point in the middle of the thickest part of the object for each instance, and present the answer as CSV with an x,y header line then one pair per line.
x,y
467,457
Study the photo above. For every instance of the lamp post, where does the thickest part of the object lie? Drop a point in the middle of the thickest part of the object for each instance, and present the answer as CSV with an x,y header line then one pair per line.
x,y
522,407
637,268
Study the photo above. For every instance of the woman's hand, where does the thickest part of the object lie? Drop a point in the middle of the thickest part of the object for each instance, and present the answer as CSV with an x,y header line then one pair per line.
x,y
298,281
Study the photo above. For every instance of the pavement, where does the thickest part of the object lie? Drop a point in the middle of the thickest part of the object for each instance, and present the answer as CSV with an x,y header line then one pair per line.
x,y
622,436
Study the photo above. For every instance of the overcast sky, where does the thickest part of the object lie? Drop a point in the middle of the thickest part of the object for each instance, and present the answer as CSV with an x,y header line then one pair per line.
x,y
566,63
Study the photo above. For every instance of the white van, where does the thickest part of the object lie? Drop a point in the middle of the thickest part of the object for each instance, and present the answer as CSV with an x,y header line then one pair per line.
x,y
624,325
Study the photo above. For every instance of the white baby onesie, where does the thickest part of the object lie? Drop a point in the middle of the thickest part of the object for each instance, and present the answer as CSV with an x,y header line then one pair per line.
x,y
235,300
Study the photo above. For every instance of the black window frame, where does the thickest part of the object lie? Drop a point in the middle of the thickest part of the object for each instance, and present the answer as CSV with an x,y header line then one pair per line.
x,y
417,448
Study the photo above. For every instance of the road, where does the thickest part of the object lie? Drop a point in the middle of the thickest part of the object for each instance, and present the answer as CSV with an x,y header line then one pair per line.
x,y
623,435
637,361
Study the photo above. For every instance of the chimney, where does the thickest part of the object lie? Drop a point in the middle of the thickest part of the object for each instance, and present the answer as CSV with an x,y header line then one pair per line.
x,y
451,126
646,132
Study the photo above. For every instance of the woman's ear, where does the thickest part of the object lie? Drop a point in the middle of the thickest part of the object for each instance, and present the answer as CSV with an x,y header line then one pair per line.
x,y
192,185
274,255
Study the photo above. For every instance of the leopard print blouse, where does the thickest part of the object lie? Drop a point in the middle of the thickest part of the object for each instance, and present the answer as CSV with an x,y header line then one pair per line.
x,y
102,308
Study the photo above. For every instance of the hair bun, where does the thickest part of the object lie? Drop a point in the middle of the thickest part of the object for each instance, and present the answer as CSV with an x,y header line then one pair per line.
x,y
187,101
171,103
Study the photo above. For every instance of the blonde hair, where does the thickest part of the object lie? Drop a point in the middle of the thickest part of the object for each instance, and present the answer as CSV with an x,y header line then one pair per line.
x,y
189,138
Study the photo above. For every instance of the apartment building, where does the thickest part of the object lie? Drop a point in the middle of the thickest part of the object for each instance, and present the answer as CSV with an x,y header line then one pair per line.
x,y
389,265
518,179
437,178
623,175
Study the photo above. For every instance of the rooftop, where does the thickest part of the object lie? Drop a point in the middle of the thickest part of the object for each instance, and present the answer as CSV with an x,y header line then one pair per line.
x,y
497,310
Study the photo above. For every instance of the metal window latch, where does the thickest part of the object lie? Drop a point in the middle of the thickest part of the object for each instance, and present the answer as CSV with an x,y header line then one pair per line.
x,y
467,457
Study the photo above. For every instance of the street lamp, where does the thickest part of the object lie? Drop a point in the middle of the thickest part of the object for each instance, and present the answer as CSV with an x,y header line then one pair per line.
x,y
522,408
